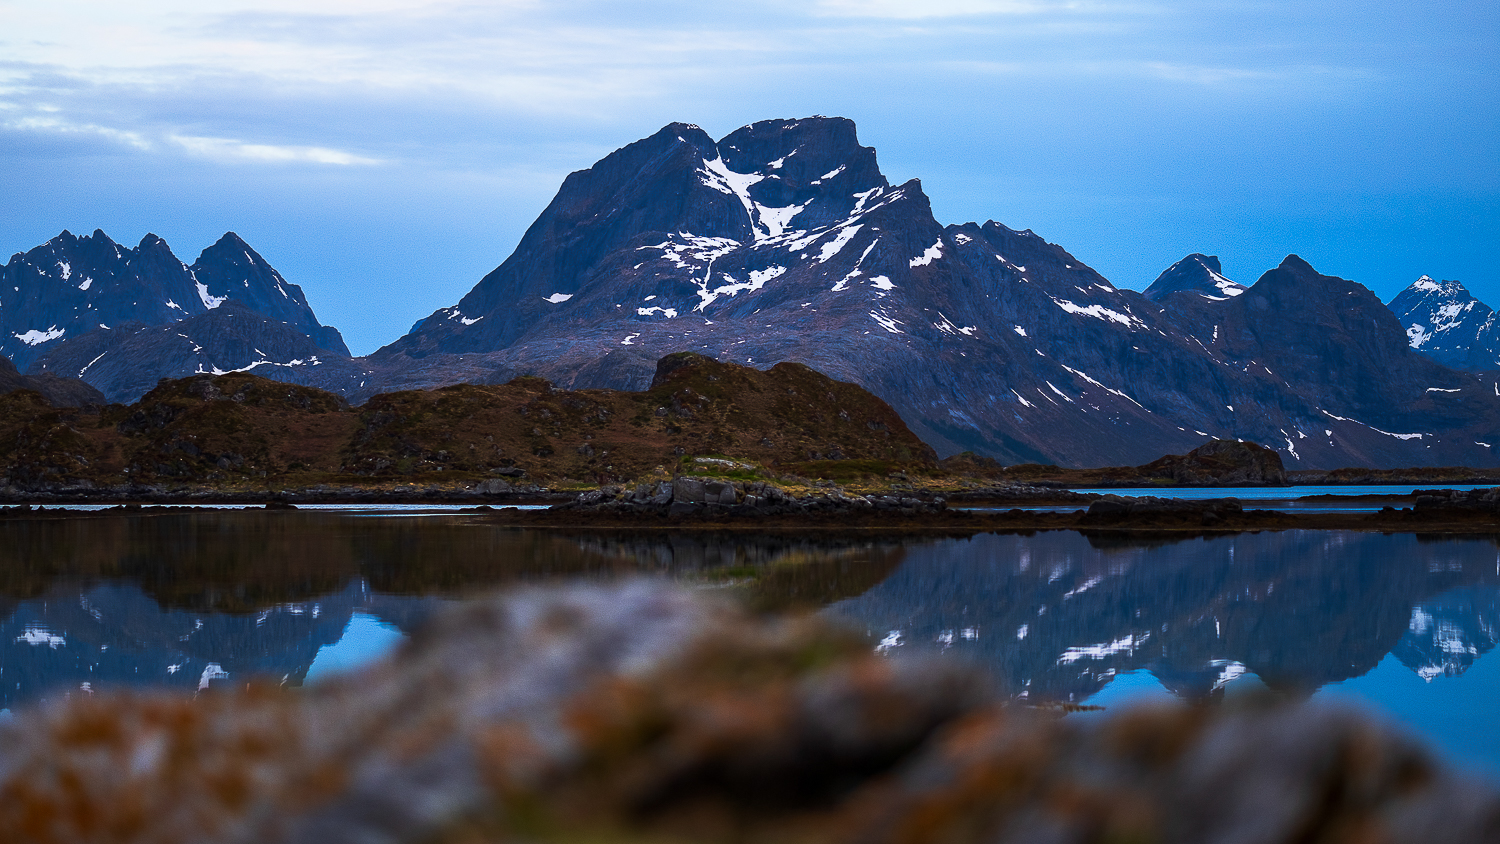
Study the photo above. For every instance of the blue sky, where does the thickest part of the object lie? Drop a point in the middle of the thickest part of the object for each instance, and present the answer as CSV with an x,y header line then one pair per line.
x,y
385,154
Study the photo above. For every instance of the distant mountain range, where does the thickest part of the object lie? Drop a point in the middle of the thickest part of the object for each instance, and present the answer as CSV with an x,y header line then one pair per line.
x,y
783,241
121,319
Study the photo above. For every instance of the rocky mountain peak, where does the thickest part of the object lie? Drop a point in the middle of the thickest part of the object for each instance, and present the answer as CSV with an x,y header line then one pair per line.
x,y
1198,275
231,270
1295,283
678,199
815,166
1444,321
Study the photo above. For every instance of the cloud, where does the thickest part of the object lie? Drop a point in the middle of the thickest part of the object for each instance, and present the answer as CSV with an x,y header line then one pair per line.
x,y
56,125
906,9
228,149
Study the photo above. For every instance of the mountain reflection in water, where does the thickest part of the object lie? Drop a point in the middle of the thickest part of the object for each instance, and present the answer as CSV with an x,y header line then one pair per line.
x,y
188,600
1057,615
194,599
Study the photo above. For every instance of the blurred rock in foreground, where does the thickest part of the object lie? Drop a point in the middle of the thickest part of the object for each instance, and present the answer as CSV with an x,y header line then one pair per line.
x,y
644,712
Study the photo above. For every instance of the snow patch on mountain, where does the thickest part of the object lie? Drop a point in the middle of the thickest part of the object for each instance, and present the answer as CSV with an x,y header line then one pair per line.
x,y
775,220
1225,286
1085,376
1126,644
1371,427
1099,312
833,247
717,175
886,322
946,326
209,301
36,337
932,253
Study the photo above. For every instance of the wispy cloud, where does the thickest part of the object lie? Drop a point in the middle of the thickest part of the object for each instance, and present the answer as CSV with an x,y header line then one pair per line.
x,y
228,149
59,126
908,10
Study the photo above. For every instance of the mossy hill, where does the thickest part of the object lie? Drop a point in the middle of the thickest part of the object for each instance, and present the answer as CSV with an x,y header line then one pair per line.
x,y
1215,463
240,432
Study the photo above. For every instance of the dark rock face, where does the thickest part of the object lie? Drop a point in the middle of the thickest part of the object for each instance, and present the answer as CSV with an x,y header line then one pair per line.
x,y
1444,321
783,241
71,285
122,318
1222,462
1454,499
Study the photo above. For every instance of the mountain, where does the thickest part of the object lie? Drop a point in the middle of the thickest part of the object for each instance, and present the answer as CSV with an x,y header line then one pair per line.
x,y
1445,322
230,270
71,300
1197,275
783,241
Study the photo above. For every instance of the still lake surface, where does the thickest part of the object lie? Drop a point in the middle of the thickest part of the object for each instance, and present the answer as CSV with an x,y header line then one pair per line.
x,y
1400,623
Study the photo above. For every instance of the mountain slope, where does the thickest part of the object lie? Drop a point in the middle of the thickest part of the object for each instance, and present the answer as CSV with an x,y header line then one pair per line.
x,y
59,392
1335,381
125,361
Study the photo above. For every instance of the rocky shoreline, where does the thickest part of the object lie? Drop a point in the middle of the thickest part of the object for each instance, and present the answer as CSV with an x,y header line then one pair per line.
x,y
697,502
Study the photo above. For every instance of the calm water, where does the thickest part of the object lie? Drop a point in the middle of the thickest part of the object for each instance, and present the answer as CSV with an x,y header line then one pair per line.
x,y
1277,493
190,600
1301,499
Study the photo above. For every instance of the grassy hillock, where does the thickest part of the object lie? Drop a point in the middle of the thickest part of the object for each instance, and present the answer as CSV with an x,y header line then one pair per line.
x,y
239,431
